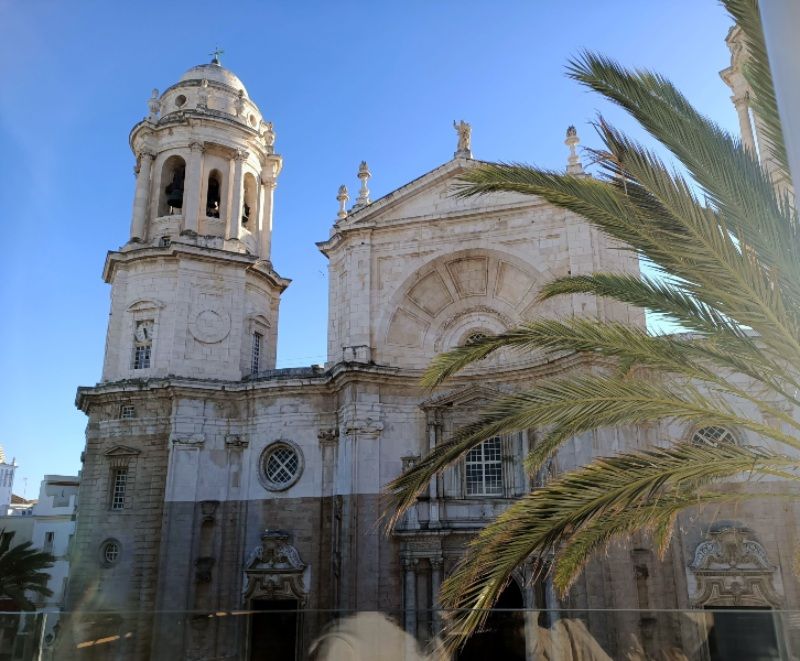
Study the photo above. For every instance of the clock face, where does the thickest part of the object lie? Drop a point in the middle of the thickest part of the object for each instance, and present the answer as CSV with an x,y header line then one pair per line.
x,y
144,331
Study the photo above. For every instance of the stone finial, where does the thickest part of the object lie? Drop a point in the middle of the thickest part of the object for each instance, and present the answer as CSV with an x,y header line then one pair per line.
x,y
363,174
574,165
154,105
464,130
342,197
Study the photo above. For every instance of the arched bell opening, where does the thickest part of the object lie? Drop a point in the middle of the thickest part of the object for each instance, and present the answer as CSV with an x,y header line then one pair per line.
x,y
249,202
503,634
173,174
214,194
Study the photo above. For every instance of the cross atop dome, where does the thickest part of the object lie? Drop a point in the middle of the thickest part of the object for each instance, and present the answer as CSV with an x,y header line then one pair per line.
x,y
215,55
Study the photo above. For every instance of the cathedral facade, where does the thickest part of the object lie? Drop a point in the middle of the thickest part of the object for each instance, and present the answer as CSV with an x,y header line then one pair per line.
x,y
214,483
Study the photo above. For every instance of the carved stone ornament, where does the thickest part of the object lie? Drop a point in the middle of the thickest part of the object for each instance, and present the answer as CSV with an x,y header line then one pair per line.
x,y
210,326
364,427
274,569
731,568
197,440
236,441
328,436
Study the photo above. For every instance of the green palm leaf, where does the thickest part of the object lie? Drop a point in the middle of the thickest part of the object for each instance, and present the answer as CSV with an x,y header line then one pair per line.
x,y
22,569
585,509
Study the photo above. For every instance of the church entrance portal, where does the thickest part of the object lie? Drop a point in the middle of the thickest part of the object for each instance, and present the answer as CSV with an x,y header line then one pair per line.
x,y
503,635
273,630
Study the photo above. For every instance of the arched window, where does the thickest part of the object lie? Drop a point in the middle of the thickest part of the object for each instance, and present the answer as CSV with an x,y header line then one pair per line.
x,y
213,196
713,436
173,173
249,201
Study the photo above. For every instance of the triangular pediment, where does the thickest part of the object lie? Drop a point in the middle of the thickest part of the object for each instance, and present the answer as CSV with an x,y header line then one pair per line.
x,y
427,198
122,451
462,397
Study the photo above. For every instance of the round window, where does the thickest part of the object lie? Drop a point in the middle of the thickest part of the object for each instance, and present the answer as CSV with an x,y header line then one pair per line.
x,y
281,465
109,552
180,101
713,436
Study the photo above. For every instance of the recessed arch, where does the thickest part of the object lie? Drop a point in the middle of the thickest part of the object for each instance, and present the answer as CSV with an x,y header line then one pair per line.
x,y
438,303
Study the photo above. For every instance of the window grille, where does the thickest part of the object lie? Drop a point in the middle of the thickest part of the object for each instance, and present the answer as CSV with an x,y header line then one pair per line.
x,y
255,355
118,485
110,552
713,436
484,469
49,537
127,411
282,464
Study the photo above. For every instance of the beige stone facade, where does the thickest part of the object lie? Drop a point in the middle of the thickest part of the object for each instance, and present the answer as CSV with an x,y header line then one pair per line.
x,y
227,483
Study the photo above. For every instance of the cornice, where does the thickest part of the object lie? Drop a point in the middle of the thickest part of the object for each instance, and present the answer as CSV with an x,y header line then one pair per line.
x,y
327,382
176,250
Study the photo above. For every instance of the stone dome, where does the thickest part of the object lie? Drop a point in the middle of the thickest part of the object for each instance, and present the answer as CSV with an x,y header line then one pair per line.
x,y
216,73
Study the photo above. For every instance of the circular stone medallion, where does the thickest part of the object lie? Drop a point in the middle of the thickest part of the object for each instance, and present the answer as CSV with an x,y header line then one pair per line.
x,y
210,326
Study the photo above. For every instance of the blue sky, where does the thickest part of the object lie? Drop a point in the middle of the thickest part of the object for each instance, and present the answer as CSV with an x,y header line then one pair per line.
x,y
342,81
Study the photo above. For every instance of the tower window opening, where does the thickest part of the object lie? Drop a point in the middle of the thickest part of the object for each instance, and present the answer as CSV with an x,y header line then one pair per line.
x,y
255,354
249,201
143,344
173,174
213,194
119,483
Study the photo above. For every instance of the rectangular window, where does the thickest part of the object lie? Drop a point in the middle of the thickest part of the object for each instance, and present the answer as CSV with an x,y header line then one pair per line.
x,y
142,344
484,469
255,355
119,481
141,357
49,537
127,411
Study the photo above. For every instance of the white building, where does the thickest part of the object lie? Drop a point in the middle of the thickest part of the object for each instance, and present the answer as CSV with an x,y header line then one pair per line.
x,y
7,471
214,482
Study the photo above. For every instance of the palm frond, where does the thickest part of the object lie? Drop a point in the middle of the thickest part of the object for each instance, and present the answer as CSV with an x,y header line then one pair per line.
x,y
578,403
592,499
731,178
757,72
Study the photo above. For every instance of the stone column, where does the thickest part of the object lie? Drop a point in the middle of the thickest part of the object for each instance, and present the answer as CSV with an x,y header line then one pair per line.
x,y
140,198
237,183
436,584
192,188
740,103
410,594
265,218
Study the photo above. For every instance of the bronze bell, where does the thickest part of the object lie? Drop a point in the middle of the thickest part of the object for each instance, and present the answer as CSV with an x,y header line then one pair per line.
x,y
174,191
245,213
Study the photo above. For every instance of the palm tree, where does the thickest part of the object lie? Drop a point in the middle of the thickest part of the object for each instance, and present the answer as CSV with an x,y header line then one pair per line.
x,y
724,245
22,569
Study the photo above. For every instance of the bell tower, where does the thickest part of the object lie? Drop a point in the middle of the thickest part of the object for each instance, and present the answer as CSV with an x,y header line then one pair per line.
x,y
194,293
